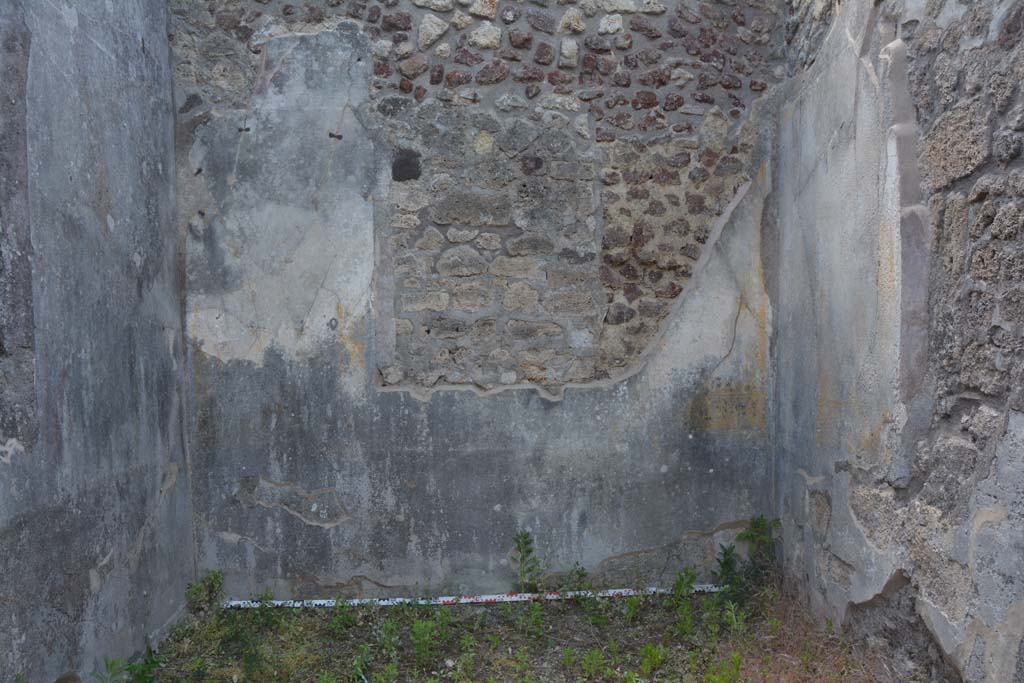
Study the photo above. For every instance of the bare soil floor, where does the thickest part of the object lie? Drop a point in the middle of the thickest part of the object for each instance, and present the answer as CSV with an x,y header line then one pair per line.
x,y
654,638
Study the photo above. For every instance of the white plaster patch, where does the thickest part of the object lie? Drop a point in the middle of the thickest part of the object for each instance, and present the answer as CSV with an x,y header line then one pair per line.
x,y
294,237
9,449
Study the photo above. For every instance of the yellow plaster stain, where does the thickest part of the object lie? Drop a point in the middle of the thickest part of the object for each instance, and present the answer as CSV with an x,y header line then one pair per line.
x,y
730,406
353,347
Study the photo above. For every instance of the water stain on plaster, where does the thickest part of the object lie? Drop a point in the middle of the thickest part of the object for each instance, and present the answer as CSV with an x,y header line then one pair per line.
x,y
322,507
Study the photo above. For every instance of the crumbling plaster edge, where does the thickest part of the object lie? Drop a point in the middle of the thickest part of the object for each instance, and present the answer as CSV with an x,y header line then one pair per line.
x,y
654,346
912,383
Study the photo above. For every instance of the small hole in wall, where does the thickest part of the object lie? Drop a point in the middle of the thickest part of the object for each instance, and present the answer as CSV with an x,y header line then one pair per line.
x,y
406,165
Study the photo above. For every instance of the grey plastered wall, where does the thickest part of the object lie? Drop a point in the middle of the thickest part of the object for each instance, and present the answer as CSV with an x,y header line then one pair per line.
x,y
312,481
897,344
836,297
95,524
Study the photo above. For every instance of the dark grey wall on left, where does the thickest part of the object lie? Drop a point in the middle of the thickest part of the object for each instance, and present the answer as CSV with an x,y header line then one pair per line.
x,y
95,522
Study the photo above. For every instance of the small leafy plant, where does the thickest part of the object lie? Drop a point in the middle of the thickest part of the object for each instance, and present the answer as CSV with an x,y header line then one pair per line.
x,y
205,595
735,618
592,663
633,604
360,665
729,575
424,637
389,674
652,658
531,620
528,569
119,671
114,671
760,540
343,617
682,586
684,624
726,671
577,579
743,579
145,671
387,636
464,668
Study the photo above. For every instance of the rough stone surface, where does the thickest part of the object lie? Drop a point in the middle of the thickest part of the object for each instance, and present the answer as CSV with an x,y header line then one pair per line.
x,y
656,122
430,31
452,273
957,144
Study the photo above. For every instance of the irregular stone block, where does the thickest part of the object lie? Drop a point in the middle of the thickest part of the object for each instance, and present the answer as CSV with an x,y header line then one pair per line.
x,y
495,72
569,302
610,23
484,8
472,208
472,295
619,313
431,241
487,36
521,297
957,144
525,267
530,245
461,261
430,31
539,21
523,330
424,301
572,21
569,53
436,5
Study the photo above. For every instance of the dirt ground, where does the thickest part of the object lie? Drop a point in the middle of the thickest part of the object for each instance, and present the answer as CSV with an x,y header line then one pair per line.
x,y
653,638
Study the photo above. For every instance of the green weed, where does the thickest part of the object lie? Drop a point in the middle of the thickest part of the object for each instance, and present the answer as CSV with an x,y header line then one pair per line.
x,y
205,594
114,671
652,658
592,664
727,671
387,636
528,568
464,668
760,540
389,674
360,665
424,637
343,617
633,604
577,579
734,618
531,620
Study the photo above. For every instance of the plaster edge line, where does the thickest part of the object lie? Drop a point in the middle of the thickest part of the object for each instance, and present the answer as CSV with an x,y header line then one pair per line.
x,y
469,599
424,394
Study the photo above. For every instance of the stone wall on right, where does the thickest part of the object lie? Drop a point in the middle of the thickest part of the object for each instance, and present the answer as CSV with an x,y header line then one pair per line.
x,y
896,249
